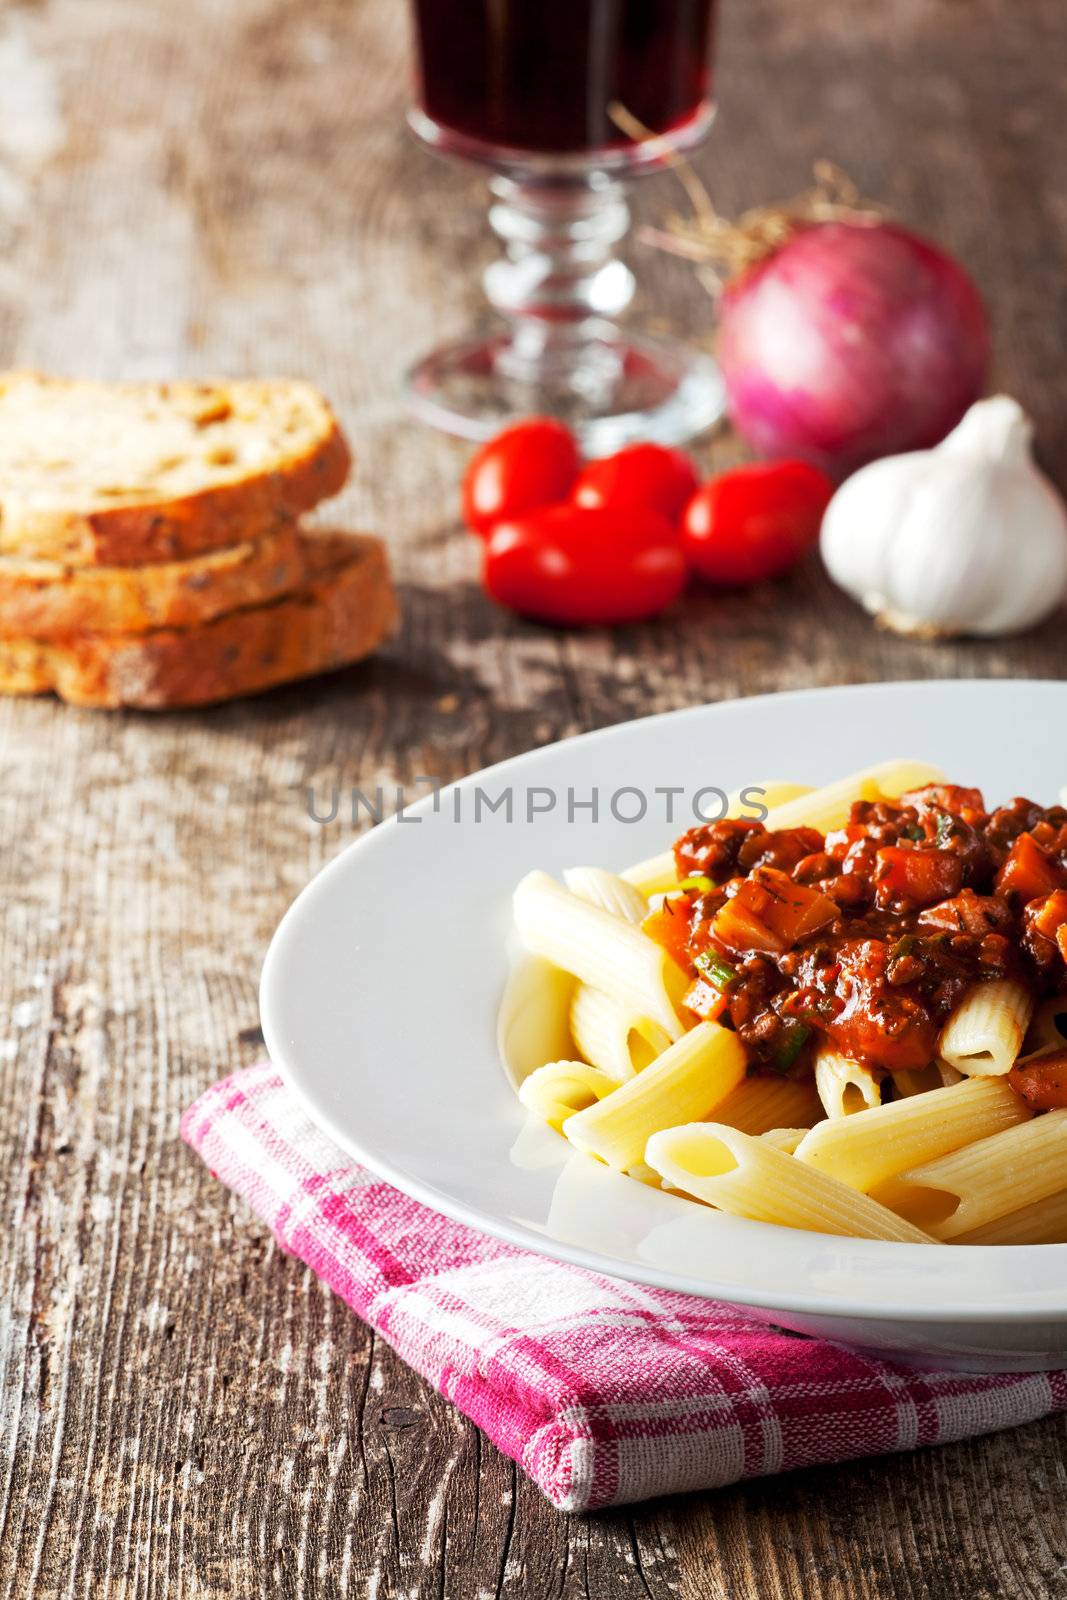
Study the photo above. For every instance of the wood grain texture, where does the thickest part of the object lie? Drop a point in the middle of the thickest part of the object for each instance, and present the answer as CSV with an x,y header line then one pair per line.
x,y
226,186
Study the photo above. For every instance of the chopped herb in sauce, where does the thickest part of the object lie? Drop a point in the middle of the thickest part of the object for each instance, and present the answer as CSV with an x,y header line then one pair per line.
x,y
715,969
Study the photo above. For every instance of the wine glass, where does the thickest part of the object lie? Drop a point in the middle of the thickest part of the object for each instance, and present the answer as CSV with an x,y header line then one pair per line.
x,y
563,101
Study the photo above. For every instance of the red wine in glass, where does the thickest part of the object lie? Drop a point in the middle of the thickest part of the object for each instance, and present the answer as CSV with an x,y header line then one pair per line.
x,y
543,75
558,98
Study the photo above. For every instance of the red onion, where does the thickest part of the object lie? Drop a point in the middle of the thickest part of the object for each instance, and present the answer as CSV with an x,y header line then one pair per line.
x,y
855,339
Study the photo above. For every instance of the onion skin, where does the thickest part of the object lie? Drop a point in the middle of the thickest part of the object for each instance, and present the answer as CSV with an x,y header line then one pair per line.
x,y
854,340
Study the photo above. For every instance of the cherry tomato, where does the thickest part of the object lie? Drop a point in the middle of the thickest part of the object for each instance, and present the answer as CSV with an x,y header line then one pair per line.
x,y
585,565
756,521
531,464
642,474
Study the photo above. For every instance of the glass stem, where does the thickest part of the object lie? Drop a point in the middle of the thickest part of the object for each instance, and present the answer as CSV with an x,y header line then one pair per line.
x,y
560,280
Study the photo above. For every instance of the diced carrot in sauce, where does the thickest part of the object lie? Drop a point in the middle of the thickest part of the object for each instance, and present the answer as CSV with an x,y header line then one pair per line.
x,y
705,1000
908,879
1051,917
1029,871
670,927
1042,1082
738,926
771,913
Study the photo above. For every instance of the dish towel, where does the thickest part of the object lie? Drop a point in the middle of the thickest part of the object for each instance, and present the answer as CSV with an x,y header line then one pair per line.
x,y
603,1392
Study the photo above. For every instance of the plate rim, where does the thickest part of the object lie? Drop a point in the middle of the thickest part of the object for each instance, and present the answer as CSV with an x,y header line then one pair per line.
x,y
1050,1304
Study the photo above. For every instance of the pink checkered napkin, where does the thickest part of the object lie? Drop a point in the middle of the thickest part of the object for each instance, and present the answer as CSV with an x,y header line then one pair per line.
x,y
602,1391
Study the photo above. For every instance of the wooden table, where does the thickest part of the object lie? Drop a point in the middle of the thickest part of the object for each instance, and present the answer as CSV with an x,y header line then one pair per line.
x,y
228,187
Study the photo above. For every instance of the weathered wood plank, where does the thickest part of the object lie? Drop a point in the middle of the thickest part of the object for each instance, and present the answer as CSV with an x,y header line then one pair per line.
x,y
228,187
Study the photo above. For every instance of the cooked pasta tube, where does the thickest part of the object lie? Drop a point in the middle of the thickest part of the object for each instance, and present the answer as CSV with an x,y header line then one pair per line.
x,y
1041,1222
760,1102
982,1182
908,1081
863,1151
1047,1030
644,1174
689,1080
845,1086
785,1139
829,807
920,1080
984,1034
658,874
613,1036
609,891
600,949
533,1022
750,1178
556,1091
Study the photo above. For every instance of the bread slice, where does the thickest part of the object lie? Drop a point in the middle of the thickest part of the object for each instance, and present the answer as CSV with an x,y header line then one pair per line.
x,y
117,474
344,609
47,600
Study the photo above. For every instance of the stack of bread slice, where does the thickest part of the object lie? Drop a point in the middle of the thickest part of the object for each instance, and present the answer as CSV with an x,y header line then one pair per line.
x,y
150,548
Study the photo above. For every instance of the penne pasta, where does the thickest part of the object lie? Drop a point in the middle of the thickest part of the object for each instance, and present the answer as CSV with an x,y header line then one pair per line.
x,y
938,1075
658,874
829,806
609,891
761,1102
984,1034
751,1178
845,1086
533,1023
689,1080
785,1139
909,1081
1041,1222
600,949
865,1150
1047,1030
560,1088
612,1036
985,1181
644,1174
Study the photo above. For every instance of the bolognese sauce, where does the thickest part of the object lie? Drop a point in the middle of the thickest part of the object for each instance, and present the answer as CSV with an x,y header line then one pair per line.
x,y
868,938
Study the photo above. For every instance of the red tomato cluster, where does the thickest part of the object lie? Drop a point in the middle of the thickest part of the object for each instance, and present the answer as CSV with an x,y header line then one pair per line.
x,y
614,540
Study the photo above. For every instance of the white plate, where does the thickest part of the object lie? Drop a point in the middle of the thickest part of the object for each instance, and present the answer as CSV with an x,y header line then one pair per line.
x,y
382,987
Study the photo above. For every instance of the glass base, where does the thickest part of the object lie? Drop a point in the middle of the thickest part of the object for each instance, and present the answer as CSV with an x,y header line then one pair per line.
x,y
625,158
633,388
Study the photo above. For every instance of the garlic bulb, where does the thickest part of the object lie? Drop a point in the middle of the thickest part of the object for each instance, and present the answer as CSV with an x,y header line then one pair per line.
x,y
967,538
